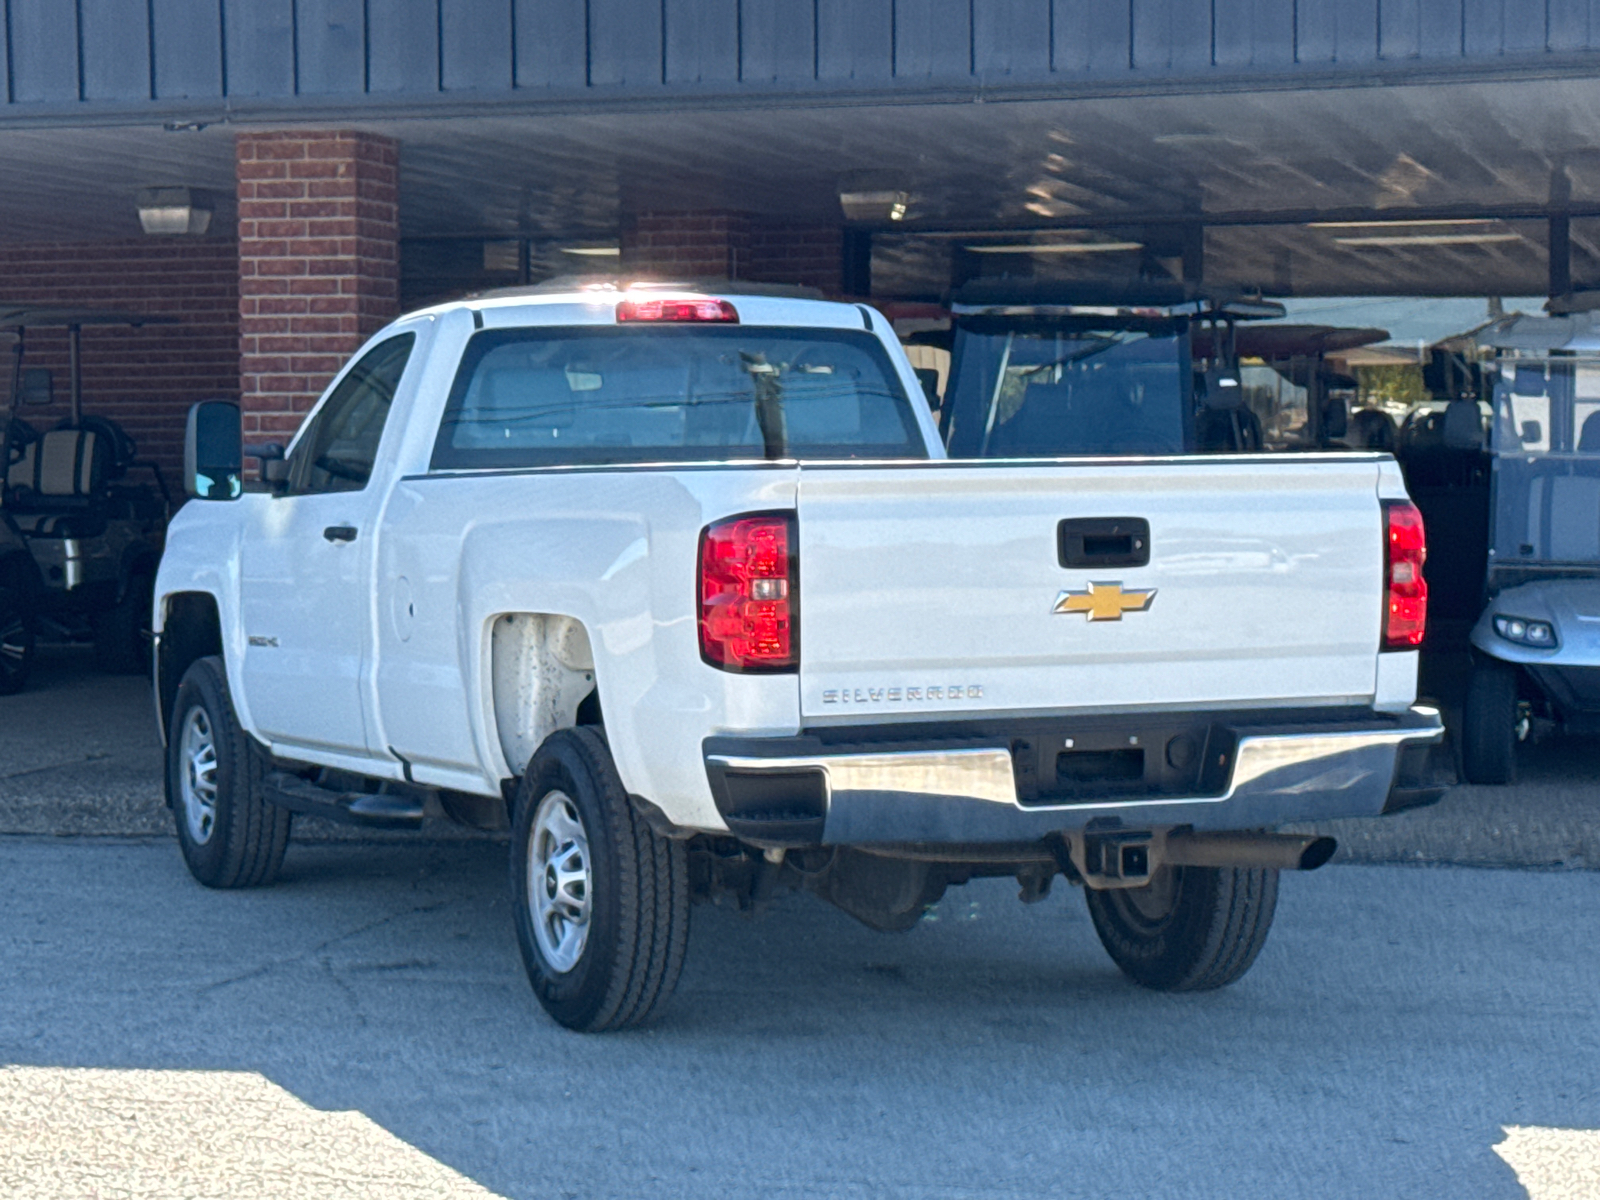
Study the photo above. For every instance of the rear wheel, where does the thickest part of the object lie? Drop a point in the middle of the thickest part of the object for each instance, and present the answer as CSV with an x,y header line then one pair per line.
x,y
601,902
231,837
1189,929
16,642
1489,726
122,632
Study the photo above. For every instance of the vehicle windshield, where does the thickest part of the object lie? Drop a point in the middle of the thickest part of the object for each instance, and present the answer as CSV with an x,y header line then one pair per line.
x,y
1546,439
1031,392
600,395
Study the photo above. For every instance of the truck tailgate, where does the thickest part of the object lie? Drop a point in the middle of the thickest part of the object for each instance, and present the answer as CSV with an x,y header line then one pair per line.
x,y
932,589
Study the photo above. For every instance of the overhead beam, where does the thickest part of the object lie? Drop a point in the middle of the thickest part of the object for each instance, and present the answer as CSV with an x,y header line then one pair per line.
x,y
1296,216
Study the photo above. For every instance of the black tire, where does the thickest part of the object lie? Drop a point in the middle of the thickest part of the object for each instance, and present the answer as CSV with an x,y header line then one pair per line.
x,y
1191,929
16,642
1489,726
122,632
635,917
241,843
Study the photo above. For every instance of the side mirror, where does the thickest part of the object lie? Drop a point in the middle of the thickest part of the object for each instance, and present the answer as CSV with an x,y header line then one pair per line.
x,y
38,386
1532,433
928,377
213,462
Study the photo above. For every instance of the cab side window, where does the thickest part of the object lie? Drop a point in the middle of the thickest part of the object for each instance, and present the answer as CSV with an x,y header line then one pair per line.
x,y
336,454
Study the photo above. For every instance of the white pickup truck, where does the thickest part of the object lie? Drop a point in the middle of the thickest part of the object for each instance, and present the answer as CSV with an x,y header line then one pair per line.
x,y
681,588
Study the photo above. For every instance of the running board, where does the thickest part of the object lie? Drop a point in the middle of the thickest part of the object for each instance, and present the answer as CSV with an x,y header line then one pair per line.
x,y
366,809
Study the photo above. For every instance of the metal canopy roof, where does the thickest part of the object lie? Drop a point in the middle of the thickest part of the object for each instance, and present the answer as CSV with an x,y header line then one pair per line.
x,y
1271,174
1292,341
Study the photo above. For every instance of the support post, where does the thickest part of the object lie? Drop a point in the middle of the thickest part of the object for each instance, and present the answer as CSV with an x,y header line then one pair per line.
x,y
75,370
1560,240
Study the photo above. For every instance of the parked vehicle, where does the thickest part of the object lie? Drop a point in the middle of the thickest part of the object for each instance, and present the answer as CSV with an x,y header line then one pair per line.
x,y
92,536
1157,368
1536,643
680,586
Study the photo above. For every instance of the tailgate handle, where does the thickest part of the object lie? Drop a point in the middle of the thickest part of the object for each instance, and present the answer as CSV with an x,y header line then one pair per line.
x,y
1103,542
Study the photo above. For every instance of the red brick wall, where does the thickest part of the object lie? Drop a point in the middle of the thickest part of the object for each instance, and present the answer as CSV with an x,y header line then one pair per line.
x,y
147,378
318,263
713,244
797,252
686,245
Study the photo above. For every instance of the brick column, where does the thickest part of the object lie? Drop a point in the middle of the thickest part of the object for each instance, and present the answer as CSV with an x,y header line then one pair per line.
x,y
318,263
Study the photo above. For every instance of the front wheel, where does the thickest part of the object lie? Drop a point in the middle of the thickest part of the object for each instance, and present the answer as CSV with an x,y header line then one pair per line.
x,y
230,835
1489,721
601,901
16,642
1190,929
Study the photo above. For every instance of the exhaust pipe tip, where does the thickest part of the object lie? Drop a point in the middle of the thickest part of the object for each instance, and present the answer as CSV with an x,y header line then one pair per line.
x,y
1318,852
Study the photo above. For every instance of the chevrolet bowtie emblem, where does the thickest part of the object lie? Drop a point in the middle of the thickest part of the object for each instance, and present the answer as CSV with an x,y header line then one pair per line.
x,y
1104,601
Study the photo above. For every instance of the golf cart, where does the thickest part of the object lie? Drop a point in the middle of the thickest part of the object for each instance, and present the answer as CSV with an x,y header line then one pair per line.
x,y
1536,644
1046,369
1296,382
79,541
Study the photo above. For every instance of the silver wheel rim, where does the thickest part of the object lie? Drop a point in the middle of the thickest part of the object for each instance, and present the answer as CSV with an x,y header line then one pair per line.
x,y
559,882
197,749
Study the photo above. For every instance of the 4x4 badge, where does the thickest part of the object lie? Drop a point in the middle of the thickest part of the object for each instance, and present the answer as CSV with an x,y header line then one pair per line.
x,y
1104,601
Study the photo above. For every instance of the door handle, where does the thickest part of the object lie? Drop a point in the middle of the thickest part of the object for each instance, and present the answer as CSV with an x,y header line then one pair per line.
x,y
1103,542
340,533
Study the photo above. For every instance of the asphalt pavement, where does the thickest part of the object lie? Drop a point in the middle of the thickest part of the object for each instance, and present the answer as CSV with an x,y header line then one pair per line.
x,y
364,1028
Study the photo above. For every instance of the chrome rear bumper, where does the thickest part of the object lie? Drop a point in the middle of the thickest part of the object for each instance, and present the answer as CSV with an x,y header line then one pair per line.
x,y
968,793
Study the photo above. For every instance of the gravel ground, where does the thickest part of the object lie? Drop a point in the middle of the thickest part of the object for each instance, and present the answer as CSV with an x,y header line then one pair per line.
x,y
79,755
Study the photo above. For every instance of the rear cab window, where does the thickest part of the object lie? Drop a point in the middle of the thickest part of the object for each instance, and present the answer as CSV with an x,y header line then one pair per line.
x,y
603,395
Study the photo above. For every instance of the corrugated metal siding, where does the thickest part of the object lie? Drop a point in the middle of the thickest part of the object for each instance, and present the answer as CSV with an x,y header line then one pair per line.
x,y
1254,33
44,50
625,42
132,51
116,43
331,36
476,47
259,45
933,39
1011,39
403,48
186,47
553,47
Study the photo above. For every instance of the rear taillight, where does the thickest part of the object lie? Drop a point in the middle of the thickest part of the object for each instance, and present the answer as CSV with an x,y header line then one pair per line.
x,y
1405,617
676,310
749,594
